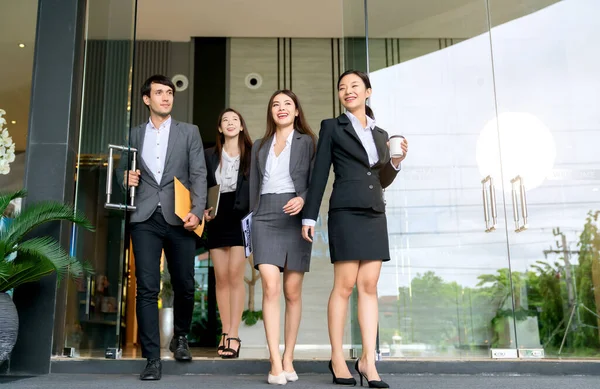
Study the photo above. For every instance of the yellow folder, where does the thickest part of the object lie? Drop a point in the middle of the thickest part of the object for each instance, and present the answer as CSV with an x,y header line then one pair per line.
x,y
183,204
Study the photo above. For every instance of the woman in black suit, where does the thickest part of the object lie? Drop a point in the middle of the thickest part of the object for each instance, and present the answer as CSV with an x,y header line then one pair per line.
x,y
228,165
358,240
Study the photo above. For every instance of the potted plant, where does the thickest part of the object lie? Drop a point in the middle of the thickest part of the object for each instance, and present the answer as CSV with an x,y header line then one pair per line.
x,y
165,318
26,259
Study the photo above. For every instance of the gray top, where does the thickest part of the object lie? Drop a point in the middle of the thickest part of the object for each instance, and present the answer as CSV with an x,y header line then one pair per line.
x,y
301,165
184,160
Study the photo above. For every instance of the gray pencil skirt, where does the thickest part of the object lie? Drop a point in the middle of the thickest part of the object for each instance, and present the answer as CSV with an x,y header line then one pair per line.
x,y
277,237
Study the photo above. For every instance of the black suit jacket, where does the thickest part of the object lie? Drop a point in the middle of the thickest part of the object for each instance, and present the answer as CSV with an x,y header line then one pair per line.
x,y
242,192
356,185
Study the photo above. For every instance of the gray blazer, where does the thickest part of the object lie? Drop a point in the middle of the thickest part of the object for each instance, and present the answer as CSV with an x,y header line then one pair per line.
x,y
184,160
301,165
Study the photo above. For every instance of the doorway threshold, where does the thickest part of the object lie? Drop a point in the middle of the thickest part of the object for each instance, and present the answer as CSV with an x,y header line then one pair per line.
x,y
217,366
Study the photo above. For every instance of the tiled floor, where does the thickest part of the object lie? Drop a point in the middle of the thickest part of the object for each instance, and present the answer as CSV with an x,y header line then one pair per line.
x,y
199,353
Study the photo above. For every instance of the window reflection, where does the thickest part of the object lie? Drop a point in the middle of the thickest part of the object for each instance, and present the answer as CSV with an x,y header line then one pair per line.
x,y
451,289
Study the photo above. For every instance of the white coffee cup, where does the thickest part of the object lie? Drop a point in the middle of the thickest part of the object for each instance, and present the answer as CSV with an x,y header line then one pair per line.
x,y
396,146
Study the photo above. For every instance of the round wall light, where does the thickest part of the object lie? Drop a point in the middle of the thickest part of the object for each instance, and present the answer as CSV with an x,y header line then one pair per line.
x,y
181,82
253,81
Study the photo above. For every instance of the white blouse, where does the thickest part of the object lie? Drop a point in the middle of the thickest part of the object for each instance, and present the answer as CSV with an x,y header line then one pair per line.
x,y
366,137
227,173
277,178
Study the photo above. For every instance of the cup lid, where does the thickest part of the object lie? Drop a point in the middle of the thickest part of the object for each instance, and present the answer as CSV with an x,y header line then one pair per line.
x,y
396,136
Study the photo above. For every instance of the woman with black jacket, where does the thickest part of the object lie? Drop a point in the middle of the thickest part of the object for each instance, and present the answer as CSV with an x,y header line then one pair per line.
x,y
357,226
228,165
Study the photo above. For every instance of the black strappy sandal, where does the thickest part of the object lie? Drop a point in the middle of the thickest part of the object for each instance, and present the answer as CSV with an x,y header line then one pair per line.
x,y
234,353
222,347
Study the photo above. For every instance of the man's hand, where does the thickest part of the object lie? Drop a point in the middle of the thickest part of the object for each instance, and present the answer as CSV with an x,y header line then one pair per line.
x,y
207,216
308,232
294,206
134,177
191,221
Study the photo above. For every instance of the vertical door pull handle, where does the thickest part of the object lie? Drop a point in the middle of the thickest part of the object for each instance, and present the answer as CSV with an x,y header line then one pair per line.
x,y
109,171
489,201
519,193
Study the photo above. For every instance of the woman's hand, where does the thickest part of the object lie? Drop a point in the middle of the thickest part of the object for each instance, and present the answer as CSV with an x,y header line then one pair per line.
x,y
207,216
308,232
396,161
294,206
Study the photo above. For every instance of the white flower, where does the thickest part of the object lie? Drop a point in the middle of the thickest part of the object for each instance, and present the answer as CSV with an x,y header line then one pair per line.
x,y
7,147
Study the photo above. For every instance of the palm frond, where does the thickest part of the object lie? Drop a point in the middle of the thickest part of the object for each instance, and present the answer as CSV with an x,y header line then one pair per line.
x,y
26,271
79,268
37,258
6,198
40,213
5,270
44,249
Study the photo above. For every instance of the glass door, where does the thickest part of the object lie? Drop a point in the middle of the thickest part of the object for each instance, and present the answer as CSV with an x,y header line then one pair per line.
x,y
547,80
446,293
96,319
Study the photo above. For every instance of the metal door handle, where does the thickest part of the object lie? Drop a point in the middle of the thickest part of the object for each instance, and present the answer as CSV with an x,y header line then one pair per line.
x,y
109,170
517,182
489,199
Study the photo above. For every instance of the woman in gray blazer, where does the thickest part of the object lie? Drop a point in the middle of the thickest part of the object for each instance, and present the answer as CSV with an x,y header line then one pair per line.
x,y
279,176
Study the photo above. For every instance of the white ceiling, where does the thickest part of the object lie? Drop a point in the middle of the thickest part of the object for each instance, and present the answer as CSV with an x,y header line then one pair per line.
x,y
178,20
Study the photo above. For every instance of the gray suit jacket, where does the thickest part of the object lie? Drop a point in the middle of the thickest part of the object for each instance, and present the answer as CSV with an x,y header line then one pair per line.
x,y
184,160
301,165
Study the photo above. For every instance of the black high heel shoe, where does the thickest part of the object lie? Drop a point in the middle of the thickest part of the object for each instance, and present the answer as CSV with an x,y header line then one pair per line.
x,y
372,384
341,381
232,353
222,346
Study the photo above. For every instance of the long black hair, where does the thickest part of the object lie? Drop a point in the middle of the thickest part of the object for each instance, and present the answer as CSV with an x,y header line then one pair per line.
x,y
365,78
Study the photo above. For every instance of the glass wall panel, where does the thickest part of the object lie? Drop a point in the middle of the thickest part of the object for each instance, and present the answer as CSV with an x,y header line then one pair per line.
x,y
96,317
547,72
355,58
446,292
17,39
307,57
223,58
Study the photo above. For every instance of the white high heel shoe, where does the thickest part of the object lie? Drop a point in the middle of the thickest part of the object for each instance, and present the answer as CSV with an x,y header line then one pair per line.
x,y
277,379
290,376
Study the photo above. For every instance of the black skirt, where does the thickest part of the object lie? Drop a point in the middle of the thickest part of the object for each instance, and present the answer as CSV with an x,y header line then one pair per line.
x,y
358,234
225,230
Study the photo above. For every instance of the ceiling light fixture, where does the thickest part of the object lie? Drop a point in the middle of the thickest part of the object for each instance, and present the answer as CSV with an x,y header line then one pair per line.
x,y
21,45
13,122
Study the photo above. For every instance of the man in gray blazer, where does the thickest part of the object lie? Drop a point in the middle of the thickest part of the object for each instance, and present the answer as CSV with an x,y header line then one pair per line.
x,y
166,149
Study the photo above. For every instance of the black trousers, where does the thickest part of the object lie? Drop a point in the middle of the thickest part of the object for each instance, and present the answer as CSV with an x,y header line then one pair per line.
x,y
149,238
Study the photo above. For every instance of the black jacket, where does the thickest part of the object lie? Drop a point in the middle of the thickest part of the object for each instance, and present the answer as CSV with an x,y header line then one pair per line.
x,y
242,192
356,184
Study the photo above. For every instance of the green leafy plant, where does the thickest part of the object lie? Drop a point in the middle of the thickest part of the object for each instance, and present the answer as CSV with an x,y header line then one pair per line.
x,y
250,318
36,257
166,292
